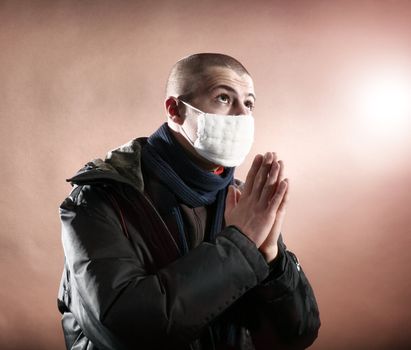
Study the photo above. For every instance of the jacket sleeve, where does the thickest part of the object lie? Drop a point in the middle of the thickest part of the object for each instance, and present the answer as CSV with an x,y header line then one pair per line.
x,y
284,306
119,305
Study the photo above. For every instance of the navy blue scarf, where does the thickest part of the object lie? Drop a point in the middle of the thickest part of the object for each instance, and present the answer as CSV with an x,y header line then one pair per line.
x,y
164,158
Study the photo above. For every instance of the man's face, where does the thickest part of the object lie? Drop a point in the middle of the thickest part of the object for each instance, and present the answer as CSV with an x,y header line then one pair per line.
x,y
219,91
223,91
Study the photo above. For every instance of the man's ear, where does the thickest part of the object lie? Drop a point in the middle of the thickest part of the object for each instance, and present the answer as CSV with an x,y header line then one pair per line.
x,y
173,111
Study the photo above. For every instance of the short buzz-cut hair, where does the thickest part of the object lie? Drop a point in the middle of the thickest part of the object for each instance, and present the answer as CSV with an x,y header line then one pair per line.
x,y
187,72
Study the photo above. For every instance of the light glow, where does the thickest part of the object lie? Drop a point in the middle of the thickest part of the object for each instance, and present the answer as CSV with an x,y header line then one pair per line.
x,y
384,102
380,113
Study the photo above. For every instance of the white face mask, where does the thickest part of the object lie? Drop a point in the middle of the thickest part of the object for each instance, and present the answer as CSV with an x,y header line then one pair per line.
x,y
222,139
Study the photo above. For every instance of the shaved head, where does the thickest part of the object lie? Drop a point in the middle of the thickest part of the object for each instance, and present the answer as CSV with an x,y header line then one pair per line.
x,y
188,73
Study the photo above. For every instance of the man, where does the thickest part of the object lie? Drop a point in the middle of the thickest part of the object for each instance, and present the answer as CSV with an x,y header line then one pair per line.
x,y
165,250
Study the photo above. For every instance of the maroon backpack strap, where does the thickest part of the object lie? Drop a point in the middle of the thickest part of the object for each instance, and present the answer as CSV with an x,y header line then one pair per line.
x,y
142,215
119,212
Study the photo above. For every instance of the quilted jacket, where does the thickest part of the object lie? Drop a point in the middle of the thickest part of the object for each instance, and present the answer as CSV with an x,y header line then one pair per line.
x,y
125,284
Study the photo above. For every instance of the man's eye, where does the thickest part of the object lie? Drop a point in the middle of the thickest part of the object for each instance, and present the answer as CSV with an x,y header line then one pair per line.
x,y
223,98
249,105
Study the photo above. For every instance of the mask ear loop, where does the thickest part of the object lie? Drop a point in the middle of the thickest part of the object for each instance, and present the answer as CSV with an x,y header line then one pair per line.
x,y
192,107
187,137
182,128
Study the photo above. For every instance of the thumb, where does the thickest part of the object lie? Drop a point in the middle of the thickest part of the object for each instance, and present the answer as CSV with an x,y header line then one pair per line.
x,y
237,194
230,200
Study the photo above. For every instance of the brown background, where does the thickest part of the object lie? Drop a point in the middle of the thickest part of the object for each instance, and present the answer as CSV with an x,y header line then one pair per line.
x,y
78,78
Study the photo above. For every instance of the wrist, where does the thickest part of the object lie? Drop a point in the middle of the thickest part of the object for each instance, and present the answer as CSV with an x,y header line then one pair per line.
x,y
270,253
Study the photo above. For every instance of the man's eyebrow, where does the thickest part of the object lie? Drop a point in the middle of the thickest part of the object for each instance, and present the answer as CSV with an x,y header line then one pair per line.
x,y
229,88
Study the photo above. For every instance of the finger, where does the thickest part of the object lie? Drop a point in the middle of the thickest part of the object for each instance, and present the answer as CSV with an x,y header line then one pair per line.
x,y
272,238
276,160
279,219
261,177
281,174
271,183
278,195
249,181
230,201
285,199
237,195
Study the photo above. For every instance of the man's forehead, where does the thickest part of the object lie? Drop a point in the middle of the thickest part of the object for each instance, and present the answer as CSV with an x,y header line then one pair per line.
x,y
214,77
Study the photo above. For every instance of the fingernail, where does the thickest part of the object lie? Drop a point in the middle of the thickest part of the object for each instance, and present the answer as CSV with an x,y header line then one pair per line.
x,y
258,158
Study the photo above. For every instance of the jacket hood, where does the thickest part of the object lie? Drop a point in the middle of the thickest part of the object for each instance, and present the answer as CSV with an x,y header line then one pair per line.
x,y
122,164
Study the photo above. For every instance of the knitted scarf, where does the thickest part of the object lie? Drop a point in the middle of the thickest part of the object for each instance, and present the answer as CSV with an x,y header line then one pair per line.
x,y
164,158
